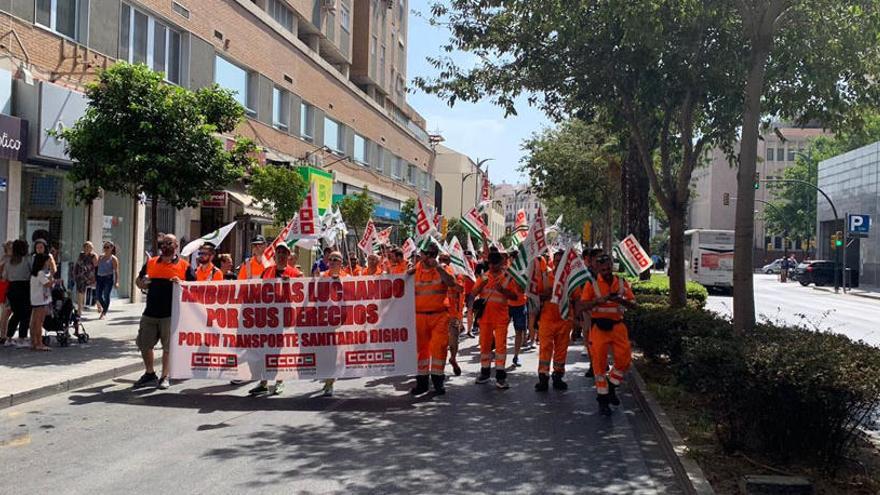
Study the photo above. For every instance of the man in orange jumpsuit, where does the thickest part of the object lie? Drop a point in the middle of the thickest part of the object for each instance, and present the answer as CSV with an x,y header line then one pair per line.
x,y
433,282
455,301
554,333
606,299
497,288
396,263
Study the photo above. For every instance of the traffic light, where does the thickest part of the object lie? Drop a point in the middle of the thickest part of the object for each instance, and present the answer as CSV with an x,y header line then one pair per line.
x,y
838,239
757,180
726,199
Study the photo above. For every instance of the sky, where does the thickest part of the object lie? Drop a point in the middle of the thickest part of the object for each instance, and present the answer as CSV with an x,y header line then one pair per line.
x,y
477,130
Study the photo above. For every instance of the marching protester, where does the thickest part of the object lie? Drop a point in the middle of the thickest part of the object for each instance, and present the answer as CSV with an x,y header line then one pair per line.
x,y
455,301
291,263
279,270
396,263
497,288
433,281
590,256
374,266
606,299
226,266
322,265
106,276
157,277
253,267
207,270
354,268
335,271
554,334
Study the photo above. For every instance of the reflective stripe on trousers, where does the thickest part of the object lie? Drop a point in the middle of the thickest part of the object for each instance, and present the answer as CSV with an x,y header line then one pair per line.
x,y
432,342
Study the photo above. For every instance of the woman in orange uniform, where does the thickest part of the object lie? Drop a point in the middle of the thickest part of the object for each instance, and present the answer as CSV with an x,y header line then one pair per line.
x,y
554,334
497,288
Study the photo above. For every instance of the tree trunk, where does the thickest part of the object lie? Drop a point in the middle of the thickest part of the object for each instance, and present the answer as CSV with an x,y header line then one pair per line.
x,y
677,291
154,225
744,230
635,201
608,228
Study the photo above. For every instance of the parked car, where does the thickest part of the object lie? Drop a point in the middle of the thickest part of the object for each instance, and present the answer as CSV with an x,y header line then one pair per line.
x,y
819,272
774,266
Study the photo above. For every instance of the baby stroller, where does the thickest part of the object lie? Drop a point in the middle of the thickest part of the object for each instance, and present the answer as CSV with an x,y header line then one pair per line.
x,y
62,317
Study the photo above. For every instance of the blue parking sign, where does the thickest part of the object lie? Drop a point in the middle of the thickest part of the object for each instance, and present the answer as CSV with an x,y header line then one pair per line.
x,y
858,224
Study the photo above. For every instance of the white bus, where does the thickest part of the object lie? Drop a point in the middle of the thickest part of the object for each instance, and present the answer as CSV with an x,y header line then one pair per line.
x,y
708,256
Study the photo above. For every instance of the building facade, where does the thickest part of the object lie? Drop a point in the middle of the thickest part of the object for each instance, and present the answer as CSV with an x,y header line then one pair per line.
x,y
460,181
519,197
852,181
297,66
713,197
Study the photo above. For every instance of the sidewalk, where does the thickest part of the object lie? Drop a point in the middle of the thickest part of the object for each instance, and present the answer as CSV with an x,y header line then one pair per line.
x,y
111,352
866,292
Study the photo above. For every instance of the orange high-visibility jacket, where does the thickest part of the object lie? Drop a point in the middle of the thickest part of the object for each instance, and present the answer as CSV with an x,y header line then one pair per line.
x,y
431,292
609,309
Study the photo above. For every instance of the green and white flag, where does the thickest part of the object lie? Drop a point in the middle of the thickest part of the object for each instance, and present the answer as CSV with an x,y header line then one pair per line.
x,y
570,274
474,224
626,266
534,245
215,238
459,263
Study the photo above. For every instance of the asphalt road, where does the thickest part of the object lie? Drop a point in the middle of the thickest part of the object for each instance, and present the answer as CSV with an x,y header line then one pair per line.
x,y
372,437
793,304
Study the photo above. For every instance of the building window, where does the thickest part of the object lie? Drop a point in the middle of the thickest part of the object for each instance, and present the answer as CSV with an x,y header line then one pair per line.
x,y
791,154
396,168
60,16
380,159
402,10
332,135
307,121
425,181
280,108
280,13
771,153
345,18
780,154
360,150
238,80
145,40
411,175
373,43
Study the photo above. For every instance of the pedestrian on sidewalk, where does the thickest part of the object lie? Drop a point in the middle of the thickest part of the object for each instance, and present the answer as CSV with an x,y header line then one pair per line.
x,y
41,297
5,313
18,272
606,299
107,276
84,273
334,271
157,277
279,270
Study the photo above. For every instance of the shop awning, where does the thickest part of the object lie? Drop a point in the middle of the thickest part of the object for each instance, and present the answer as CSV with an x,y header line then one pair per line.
x,y
248,207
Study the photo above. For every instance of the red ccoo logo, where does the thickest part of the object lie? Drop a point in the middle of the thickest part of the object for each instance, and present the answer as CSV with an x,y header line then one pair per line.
x,y
288,361
208,360
381,356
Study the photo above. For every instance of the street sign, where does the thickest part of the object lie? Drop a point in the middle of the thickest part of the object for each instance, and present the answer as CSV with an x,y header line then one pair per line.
x,y
858,224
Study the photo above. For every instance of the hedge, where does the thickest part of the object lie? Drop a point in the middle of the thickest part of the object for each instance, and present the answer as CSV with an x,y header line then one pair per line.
x,y
658,285
784,391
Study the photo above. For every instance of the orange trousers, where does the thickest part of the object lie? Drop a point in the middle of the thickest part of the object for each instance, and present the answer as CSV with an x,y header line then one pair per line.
x,y
432,341
553,337
497,331
600,341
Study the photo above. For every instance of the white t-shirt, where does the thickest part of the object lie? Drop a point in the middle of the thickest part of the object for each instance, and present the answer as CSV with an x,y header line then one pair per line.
x,y
41,295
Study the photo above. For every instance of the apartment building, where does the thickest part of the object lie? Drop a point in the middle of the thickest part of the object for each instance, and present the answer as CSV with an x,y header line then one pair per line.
x,y
459,181
712,183
293,65
515,197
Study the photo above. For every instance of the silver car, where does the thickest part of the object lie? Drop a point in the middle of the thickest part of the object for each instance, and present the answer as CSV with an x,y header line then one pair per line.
x,y
773,267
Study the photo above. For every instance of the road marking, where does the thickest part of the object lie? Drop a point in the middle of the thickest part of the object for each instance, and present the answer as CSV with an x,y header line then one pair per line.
x,y
19,441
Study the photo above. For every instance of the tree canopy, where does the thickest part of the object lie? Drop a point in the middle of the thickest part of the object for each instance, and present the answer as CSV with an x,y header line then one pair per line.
x,y
357,209
279,191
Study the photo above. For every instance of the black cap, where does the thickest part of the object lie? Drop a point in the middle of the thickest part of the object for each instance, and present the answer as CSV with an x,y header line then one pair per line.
x,y
258,239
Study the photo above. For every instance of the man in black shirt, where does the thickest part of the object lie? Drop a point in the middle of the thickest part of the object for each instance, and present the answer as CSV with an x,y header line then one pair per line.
x,y
157,277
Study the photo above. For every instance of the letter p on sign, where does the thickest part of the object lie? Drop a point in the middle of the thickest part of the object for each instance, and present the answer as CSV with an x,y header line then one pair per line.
x,y
859,224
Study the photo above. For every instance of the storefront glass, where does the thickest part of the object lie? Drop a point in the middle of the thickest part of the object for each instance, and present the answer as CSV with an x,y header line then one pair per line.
x,y
118,228
48,210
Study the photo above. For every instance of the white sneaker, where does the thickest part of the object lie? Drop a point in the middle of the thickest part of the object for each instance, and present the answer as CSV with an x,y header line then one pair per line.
x,y
22,343
8,343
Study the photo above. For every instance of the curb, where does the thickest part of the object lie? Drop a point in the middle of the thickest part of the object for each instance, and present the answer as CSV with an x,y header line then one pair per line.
x,y
686,470
68,385
855,294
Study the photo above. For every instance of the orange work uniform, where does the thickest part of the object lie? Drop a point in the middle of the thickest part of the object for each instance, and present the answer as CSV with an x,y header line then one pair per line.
x,y
398,268
495,317
252,268
354,271
455,299
609,315
554,332
208,272
432,320
372,271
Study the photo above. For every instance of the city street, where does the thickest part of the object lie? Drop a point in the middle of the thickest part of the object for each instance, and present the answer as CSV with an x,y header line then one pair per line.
x,y
791,303
372,437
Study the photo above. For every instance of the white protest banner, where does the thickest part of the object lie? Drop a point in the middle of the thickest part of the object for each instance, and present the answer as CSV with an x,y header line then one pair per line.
x,y
570,274
384,236
534,245
300,328
369,239
424,223
633,255
409,248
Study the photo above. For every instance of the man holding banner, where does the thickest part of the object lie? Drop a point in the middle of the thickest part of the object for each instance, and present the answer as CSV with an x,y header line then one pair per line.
x,y
433,282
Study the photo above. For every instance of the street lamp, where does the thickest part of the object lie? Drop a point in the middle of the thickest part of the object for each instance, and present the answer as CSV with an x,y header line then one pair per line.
x,y
464,177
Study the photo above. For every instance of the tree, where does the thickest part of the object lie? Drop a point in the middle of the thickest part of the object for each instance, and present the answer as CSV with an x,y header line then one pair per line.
x,y
665,71
357,210
408,217
576,167
279,191
805,59
142,135
454,228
